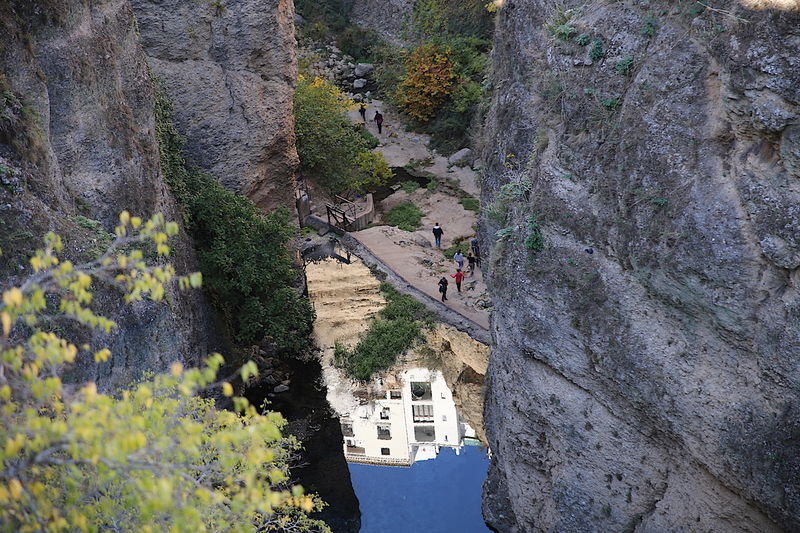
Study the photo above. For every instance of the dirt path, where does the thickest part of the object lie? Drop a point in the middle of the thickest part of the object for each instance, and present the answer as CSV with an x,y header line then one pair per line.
x,y
412,254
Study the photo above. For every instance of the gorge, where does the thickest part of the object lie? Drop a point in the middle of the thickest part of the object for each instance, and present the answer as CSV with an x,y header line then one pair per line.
x,y
638,170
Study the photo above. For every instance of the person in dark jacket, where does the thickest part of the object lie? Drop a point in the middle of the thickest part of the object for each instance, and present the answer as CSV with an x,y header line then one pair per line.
x,y
437,234
443,288
363,112
459,278
476,249
471,261
379,120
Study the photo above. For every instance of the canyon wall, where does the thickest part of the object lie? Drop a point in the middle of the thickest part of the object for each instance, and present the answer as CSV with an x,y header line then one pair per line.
x,y
230,69
646,366
78,146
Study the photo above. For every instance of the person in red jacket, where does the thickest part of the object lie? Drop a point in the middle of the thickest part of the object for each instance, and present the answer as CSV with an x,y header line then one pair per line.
x,y
459,278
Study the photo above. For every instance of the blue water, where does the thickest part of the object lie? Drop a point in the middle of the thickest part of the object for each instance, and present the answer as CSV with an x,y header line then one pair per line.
x,y
441,495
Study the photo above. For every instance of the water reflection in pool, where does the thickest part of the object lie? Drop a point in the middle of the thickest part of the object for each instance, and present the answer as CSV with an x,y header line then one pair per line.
x,y
409,434
389,442
410,420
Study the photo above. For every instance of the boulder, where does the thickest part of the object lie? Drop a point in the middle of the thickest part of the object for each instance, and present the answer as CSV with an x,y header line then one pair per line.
x,y
461,158
362,69
360,83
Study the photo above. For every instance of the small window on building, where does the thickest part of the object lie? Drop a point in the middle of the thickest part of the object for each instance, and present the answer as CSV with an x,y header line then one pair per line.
x,y
385,413
444,396
420,390
395,395
385,451
444,418
347,429
384,433
422,413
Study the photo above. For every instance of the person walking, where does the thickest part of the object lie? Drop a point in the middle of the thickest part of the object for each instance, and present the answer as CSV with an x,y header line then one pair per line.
x,y
437,234
476,249
363,112
378,120
443,288
459,259
459,278
471,261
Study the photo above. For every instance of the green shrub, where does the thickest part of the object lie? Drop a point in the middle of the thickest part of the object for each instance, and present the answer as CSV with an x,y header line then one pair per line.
x,y
624,66
247,268
409,187
471,204
610,103
405,216
397,328
563,31
504,233
432,185
649,28
535,240
403,306
330,147
370,141
583,39
596,52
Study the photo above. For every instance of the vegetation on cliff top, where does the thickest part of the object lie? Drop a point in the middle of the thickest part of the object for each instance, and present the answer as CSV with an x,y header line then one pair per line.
x,y
397,328
247,267
156,456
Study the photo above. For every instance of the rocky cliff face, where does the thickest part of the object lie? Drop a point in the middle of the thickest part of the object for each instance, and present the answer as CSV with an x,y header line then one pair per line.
x,y
230,70
390,19
77,146
645,371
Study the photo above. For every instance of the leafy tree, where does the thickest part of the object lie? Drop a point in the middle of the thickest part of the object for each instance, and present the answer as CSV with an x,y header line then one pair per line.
x,y
428,81
248,268
330,146
243,254
155,457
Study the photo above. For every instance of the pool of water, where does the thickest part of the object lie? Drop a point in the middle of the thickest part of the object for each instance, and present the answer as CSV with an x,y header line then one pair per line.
x,y
441,495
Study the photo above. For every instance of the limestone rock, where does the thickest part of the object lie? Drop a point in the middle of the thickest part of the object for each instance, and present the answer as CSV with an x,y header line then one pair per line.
x,y
461,158
230,72
359,83
86,149
362,69
652,385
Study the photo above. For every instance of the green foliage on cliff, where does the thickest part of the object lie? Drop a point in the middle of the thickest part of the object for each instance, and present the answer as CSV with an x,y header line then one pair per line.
x,y
397,328
248,268
242,251
331,148
405,216
155,457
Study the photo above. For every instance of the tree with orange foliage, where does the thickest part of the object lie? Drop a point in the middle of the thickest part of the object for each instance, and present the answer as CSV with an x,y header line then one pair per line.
x,y
428,81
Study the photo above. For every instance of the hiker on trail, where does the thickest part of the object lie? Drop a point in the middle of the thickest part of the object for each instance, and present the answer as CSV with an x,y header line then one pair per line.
x,y
476,249
459,259
378,120
459,278
471,260
443,288
437,235
363,112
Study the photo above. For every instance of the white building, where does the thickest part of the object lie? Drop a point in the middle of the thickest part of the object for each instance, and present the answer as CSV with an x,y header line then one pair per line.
x,y
413,420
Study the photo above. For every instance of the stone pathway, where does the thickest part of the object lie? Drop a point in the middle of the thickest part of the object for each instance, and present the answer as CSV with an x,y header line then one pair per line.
x,y
412,254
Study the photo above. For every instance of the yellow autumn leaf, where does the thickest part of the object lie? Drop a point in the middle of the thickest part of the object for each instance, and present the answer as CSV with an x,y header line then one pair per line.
x,y
12,297
227,389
